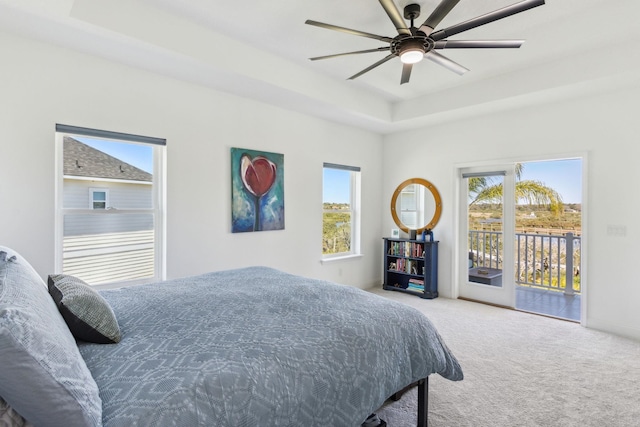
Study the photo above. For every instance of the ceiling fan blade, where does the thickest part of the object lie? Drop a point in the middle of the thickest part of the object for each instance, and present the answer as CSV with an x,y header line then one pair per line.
x,y
348,31
485,19
371,67
438,15
406,73
380,49
396,17
446,62
474,44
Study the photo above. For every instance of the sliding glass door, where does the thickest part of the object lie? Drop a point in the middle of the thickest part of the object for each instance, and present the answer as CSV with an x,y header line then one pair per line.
x,y
486,235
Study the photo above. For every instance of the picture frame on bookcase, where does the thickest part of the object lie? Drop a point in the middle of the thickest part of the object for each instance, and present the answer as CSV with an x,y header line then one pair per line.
x,y
395,233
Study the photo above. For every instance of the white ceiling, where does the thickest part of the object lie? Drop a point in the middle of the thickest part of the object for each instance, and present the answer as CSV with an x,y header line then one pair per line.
x,y
260,49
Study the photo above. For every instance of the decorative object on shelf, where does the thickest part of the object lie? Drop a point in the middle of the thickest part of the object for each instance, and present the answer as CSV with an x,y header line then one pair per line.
x,y
257,190
395,233
426,233
416,205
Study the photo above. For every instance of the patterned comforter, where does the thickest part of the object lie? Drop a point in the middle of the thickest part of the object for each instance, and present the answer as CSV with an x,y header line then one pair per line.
x,y
259,347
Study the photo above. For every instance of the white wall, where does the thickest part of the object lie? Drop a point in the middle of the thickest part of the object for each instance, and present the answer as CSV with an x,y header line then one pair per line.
x,y
42,85
604,125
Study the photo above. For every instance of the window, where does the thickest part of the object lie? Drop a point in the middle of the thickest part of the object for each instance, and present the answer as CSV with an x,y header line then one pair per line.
x,y
409,206
99,198
109,206
341,210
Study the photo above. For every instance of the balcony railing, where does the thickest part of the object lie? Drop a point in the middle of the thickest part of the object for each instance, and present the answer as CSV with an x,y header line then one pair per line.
x,y
541,261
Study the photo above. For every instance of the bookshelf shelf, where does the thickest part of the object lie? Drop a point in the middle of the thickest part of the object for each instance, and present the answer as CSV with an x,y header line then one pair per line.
x,y
411,266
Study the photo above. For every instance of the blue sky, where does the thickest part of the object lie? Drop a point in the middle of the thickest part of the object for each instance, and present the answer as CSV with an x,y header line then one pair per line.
x,y
336,186
138,155
564,176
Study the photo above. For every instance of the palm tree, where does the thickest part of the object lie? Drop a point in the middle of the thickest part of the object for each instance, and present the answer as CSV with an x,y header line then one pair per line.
x,y
483,189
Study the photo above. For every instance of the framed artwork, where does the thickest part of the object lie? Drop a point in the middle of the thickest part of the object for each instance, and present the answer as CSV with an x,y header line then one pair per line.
x,y
257,190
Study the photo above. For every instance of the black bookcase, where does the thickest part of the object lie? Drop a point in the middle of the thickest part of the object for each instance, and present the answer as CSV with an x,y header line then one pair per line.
x,y
411,266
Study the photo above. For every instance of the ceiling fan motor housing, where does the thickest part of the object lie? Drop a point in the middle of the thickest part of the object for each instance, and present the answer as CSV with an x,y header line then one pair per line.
x,y
404,42
417,40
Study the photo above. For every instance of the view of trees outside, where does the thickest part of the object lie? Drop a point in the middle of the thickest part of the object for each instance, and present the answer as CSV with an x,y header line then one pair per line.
x,y
336,228
542,222
336,213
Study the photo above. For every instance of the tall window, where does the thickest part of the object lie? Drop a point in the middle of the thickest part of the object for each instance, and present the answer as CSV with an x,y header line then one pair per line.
x,y
109,204
341,210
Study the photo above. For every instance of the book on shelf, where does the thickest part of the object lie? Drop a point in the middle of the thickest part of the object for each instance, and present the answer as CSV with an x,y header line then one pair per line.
x,y
406,249
416,284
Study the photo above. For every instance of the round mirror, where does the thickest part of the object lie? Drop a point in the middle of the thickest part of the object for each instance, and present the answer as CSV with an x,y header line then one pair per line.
x,y
416,205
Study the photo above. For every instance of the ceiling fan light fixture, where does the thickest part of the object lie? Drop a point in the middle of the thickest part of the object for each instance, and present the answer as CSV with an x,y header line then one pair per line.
x,y
412,56
411,51
412,43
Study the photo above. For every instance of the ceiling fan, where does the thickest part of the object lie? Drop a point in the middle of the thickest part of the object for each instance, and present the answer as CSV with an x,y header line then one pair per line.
x,y
413,44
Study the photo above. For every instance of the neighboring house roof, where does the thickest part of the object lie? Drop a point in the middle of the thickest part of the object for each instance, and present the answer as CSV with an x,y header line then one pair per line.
x,y
83,160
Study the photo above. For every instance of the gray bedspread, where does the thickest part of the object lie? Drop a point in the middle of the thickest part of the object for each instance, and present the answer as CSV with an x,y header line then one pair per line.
x,y
259,347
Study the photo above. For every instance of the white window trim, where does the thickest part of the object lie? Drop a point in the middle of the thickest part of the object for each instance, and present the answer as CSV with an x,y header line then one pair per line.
x,y
338,257
92,200
159,203
355,203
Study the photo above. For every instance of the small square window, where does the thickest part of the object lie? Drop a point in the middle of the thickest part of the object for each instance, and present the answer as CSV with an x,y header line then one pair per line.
x,y
98,198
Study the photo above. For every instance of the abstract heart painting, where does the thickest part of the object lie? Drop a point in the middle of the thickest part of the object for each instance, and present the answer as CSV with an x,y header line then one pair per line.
x,y
257,190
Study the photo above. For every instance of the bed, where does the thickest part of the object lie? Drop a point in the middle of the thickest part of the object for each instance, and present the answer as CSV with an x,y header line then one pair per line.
x,y
246,347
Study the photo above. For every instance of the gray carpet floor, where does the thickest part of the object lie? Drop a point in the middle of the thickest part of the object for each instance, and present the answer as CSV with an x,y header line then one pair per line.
x,y
523,370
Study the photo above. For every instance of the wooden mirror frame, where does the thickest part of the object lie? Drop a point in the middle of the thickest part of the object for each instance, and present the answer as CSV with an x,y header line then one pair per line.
x,y
436,197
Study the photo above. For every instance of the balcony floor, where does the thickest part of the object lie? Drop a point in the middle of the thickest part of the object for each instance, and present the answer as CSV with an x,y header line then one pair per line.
x,y
550,303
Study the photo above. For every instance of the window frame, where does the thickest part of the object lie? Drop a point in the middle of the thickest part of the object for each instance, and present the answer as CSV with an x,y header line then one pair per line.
x,y
92,199
355,190
158,209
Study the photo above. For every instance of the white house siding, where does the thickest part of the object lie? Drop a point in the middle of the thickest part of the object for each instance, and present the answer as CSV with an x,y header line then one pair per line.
x,y
80,225
121,196
105,246
109,257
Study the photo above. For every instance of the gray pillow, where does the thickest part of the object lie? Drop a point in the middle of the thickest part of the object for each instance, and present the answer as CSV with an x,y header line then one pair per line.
x,y
42,375
88,315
